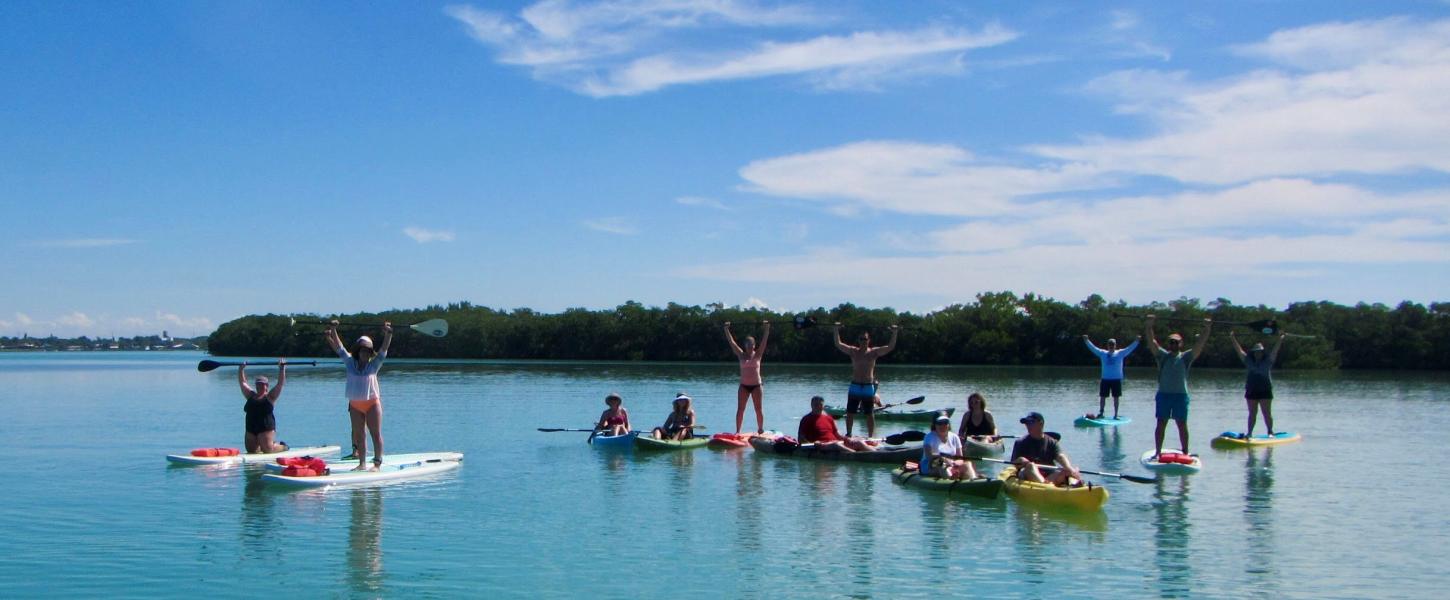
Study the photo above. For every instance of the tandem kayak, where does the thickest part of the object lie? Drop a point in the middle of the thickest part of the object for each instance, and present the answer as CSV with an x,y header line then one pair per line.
x,y
645,442
1172,463
1234,439
1083,497
973,448
910,416
882,454
615,441
1091,421
981,487
388,459
386,472
188,459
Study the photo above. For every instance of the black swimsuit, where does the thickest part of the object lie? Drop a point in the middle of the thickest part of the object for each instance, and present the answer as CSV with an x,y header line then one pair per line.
x,y
259,415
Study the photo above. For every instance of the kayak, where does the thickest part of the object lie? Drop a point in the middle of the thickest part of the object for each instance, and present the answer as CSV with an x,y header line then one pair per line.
x,y
615,441
972,448
1234,439
388,459
980,487
644,442
1091,421
1083,497
187,459
882,454
387,472
910,416
726,441
1172,463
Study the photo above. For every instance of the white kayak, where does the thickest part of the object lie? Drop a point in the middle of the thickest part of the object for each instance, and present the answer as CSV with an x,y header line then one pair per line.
x,y
1172,463
187,459
340,465
386,472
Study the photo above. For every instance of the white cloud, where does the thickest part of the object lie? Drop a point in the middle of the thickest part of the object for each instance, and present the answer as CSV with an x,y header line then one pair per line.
x,y
83,243
424,236
701,201
1366,97
633,47
614,225
23,319
753,302
75,319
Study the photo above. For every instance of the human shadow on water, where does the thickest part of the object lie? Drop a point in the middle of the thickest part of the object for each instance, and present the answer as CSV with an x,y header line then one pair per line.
x,y
1260,551
365,573
1171,537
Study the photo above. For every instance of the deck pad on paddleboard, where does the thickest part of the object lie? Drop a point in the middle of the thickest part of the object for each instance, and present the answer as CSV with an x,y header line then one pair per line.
x,y
187,459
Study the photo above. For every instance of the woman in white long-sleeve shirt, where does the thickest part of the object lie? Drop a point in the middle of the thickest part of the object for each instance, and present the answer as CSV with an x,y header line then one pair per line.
x,y
364,397
1112,379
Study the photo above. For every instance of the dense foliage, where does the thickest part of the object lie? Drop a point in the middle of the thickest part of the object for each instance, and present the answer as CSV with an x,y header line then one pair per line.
x,y
997,329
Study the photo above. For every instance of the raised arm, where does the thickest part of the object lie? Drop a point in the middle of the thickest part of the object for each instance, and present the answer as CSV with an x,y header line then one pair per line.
x,y
242,380
836,333
734,347
1233,337
333,341
1202,339
1091,346
276,391
1131,347
764,337
1274,354
891,345
1148,334
387,338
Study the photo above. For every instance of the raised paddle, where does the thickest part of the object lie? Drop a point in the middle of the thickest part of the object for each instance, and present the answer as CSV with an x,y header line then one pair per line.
x,y
917,436
1132,478
1266,326
211,365
916,400
432,327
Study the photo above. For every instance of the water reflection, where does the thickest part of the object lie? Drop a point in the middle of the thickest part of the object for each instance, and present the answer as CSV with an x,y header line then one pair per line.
x,y
365,541
860,523
1171,535
258,519
1259,517
1111,439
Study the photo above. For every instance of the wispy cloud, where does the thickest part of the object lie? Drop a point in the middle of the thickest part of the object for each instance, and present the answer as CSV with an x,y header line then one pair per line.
x,y
83,243
424,236
77,323
614,225
623,48
701,201
75,319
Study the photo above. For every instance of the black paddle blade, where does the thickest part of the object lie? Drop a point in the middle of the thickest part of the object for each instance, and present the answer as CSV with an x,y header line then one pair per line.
x,y
905,436
207,365
916,400
803,322
1138,479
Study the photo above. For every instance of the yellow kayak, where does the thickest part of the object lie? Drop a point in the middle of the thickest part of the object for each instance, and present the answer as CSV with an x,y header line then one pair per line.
x,y
1084,497
1234,439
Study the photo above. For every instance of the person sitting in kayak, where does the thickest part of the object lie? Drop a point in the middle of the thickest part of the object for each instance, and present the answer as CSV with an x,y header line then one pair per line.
x,y
615,419
680,425
1112,376
1258,386
750,388
819,428
978,424
1037,450
261,433
941,452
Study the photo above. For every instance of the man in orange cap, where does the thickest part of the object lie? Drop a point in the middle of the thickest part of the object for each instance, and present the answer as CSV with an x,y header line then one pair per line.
x,y
1171,402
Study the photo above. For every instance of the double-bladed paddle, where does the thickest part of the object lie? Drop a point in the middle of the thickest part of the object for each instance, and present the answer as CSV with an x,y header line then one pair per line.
x,y
1132,478
211,365
916,400
432,327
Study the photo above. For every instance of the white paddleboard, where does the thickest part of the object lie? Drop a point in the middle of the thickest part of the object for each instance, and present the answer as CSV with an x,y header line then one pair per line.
x,y
1170,468
187,459
338,465
386,472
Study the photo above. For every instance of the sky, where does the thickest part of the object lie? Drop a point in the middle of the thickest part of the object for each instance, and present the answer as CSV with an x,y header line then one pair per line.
x,y
175,165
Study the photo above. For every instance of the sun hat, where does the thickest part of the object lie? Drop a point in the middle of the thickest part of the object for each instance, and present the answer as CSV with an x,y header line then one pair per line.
x,y
365,342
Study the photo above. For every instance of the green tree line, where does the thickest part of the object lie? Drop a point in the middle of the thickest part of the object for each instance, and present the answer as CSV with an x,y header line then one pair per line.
x,y
998,328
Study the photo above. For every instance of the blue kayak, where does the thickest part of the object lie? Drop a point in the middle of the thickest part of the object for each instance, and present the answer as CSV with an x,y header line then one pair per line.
x,y
616,441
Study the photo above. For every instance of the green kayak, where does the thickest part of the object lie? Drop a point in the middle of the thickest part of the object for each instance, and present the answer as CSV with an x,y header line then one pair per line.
x,y
645,442
980,487
906,416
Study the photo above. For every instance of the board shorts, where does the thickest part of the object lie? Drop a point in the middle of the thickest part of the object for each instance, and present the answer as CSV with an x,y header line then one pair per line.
x,y
1171,406
1110,387
861,398
1258,388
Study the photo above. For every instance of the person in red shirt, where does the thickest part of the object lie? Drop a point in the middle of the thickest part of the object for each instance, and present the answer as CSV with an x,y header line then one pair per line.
x,y
819,428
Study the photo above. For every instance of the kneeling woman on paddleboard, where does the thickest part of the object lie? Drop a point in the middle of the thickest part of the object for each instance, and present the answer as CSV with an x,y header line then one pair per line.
x,y
680,425
364,397
261,424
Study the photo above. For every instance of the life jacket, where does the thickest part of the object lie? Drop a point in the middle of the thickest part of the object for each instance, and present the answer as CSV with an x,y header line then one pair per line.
x,y
785,444
215,452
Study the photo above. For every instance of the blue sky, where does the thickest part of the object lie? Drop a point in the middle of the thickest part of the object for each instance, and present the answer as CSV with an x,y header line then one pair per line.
x,y
175,165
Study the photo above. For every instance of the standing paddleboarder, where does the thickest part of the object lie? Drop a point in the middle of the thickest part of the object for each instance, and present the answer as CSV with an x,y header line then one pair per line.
x,y
364,397
1112,375
1171,402
261,423
1258,386
751,386
861,396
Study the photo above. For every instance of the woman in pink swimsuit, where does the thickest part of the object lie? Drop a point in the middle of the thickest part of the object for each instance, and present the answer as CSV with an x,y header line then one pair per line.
x,y
750,384
615,419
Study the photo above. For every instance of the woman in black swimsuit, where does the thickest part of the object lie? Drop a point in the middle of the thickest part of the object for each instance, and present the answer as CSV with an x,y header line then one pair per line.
x,y
978,423
261,424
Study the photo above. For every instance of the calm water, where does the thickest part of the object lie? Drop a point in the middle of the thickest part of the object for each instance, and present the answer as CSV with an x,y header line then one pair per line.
x,y
91,507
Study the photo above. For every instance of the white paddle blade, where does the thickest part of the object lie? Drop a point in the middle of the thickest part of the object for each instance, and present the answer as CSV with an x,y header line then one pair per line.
x,y
432,327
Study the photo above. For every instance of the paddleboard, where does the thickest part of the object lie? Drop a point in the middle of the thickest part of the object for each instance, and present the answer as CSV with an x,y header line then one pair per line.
x,y
386,472
1234,439
1090,421
187,459
1168,467
388,459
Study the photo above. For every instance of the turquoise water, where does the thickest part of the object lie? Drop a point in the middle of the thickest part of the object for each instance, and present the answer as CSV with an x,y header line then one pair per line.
x,y
91,507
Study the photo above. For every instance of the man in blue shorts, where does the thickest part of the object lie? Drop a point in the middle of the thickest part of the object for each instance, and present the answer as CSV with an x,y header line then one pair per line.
x,y
1172,398
861,396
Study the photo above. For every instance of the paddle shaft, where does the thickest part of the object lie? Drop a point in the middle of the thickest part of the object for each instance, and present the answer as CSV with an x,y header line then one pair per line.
x,y
1132,478
211,365
916,400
